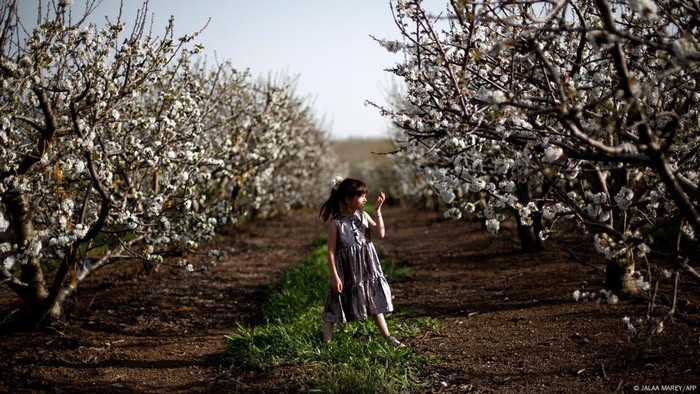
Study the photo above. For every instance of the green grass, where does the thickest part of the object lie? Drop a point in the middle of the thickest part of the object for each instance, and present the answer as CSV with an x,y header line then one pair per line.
x,y
358,360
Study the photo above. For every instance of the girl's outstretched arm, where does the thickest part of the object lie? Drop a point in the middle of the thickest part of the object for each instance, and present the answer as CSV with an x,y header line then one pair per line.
x,y
336,283
377,227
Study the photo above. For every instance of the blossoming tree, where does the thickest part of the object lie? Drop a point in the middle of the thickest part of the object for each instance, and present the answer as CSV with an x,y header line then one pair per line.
x,y
570,109
116,144
268,150
85,147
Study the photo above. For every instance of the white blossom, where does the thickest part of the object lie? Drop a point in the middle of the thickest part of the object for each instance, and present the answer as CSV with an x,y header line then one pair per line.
x,y
624,198
688,231
79,167
643,250
447,195
646,8
9,262
552,153
67,205
477,185
4,224
453,213
640,282
602,296
492,226
495,96
34,248
391,45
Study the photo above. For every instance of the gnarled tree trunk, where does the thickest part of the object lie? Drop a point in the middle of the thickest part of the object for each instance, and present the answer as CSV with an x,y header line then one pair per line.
x,y
31,285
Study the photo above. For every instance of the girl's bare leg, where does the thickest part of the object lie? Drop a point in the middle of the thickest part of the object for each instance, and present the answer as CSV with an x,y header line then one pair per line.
x,y
381,324
327,332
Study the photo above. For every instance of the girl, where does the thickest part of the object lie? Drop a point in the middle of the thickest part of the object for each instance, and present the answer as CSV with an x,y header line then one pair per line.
x,y
358,287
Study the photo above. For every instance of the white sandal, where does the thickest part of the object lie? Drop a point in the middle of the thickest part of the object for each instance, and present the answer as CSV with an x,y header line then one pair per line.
x,y
395,342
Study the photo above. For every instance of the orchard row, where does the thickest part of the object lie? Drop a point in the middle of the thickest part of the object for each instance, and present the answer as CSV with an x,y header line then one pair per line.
x,y
118,143
570,111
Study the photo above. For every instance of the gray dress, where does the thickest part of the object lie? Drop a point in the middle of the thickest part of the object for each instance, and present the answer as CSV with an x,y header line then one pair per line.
x,y
365,290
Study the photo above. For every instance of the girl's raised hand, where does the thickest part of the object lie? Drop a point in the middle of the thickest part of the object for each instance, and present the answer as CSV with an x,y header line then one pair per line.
x,y
380,200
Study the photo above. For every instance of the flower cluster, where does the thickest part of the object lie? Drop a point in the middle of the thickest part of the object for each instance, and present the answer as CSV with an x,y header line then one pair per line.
x,y
602,296
627,322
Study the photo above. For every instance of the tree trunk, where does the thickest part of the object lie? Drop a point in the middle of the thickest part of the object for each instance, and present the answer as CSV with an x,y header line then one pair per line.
x,y
529,240
33,289
619,275
52,314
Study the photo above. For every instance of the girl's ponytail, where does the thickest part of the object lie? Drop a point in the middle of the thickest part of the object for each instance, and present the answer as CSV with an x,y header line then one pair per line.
x,y
331,207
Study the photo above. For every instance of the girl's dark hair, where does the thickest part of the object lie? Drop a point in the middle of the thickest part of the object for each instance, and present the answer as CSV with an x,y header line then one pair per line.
x,y
348,188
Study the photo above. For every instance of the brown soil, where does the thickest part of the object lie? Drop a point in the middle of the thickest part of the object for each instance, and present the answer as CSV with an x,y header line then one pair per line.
x,y
508,320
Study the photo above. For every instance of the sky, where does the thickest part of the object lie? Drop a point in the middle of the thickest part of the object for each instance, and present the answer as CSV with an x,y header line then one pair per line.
x,y
326,44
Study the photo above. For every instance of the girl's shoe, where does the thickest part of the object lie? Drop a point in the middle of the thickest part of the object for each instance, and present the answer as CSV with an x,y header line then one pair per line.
x,y
395,342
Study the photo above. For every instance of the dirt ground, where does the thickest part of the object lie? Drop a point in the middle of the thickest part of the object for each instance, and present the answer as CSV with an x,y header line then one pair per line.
x,y
508,321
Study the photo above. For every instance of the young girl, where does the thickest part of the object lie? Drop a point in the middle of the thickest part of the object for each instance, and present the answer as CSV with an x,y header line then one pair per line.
x,y
358,287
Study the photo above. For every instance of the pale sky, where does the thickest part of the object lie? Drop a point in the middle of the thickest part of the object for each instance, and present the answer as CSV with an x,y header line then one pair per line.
x,y
326,43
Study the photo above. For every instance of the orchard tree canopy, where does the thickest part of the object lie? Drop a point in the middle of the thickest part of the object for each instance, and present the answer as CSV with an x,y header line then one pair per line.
x,y
116,143
574,109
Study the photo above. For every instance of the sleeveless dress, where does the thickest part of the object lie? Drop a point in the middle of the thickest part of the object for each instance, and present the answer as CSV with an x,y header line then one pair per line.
x,y
365,290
